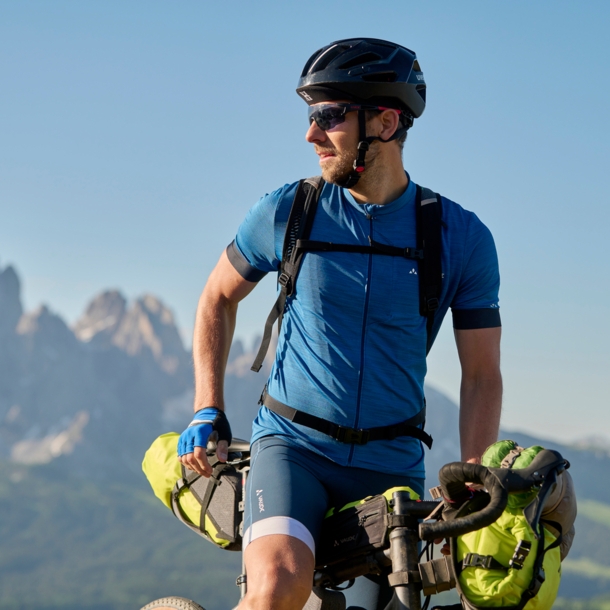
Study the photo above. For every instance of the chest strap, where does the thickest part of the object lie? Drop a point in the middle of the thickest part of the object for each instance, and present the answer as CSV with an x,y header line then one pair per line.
x,y
374,247
343,434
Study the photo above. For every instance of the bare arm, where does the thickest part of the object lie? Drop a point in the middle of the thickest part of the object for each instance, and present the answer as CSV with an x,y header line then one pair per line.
x,y
214,328
481,390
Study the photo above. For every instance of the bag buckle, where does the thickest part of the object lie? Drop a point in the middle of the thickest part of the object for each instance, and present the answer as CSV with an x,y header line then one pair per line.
x,y
352,436
522,550
473,560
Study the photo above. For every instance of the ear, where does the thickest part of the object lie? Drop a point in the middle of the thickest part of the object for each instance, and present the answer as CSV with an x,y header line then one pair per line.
x,y
389,122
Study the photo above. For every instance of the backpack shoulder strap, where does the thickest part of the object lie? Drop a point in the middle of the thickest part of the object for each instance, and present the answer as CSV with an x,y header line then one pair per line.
x,y
300,221
429,213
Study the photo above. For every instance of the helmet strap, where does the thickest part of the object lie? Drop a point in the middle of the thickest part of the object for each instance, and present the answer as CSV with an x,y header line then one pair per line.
x,y
363,147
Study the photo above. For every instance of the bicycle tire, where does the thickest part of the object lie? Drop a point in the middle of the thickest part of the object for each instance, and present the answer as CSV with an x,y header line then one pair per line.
x,y
173,603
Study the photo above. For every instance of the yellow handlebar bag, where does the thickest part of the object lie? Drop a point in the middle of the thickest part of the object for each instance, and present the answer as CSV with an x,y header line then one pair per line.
x,y
211,507
513,563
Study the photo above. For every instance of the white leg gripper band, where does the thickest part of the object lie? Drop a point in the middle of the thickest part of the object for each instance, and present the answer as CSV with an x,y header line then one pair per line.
x,y
279,525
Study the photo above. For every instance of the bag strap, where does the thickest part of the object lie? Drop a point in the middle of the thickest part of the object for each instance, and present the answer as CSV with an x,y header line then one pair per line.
x,y
189,480
300,221
429,212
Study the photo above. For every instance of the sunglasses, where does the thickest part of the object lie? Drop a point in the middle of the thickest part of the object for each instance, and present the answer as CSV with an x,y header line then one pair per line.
x,y
328,116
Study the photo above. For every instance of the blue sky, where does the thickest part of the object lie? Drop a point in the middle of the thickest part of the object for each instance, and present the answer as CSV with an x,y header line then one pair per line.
x,y
134,136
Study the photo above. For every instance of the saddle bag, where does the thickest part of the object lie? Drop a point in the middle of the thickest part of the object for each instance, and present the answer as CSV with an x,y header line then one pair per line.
x,y
357,528
212,507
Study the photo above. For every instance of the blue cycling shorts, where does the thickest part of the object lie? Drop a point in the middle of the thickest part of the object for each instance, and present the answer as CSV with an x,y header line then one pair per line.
x,y
290,489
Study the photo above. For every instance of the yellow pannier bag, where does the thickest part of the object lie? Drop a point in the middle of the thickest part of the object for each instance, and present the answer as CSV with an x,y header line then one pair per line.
x,y
211,507
506,565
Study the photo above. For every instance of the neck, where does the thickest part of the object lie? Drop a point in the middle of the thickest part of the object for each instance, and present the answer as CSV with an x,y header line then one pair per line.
x,y
383,181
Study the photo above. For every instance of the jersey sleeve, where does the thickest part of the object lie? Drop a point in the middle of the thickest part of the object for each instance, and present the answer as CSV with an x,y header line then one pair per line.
x,y
475,304
253,252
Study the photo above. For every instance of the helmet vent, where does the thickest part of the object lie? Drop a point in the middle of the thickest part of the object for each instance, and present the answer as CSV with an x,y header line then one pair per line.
x,y
322,61
416,66
383,77
421,89
360,60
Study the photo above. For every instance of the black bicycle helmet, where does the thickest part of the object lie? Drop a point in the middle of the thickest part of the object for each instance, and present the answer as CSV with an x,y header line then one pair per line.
x,y
365,70
368,71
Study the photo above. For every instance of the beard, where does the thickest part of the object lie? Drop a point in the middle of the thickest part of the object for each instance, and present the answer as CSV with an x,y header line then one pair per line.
x,y
338,169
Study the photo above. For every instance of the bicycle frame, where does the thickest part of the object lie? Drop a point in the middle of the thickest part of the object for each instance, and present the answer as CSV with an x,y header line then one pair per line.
x,y
402,556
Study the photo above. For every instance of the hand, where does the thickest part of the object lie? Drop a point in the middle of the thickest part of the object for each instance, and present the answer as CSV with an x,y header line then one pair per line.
x,y
209,425
445,550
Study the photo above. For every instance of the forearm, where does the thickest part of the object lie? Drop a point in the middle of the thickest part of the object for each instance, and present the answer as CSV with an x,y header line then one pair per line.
x,y
480,407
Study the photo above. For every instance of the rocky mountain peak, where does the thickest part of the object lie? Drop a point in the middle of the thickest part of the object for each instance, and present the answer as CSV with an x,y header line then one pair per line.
x,y
45,328
101,318
10,300
149,325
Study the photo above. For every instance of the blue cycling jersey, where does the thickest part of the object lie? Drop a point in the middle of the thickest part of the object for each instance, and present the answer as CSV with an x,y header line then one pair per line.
x,y
352,347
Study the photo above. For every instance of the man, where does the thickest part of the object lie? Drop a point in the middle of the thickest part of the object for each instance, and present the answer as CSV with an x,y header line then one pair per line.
x,y
352,347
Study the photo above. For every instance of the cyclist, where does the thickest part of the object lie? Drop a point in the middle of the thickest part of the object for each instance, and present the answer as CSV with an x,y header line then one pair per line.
x,y
352,346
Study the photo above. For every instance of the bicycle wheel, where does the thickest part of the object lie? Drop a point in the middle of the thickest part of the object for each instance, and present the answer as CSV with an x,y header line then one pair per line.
x,y
173,603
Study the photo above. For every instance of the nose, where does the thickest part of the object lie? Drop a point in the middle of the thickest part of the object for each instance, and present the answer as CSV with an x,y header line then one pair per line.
x,y
315,134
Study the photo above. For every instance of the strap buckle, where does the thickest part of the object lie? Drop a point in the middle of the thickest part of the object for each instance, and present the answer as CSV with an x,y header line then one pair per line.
x,y
522,550
473,560
241,580
352,436
432,304
285,281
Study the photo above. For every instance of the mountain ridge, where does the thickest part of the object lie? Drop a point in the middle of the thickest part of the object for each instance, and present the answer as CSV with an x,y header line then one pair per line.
x,y
79,406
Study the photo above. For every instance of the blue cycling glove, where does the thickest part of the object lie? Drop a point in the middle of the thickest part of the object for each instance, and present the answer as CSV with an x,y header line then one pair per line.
x,y
205,422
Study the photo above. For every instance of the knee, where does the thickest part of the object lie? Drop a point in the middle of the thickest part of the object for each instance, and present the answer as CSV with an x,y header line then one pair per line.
x,y
279,569
278,589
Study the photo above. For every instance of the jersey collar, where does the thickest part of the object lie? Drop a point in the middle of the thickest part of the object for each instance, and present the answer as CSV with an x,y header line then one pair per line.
x,y
373,209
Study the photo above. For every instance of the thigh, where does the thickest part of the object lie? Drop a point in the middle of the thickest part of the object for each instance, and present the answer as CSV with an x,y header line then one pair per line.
x,y
346,484
283,493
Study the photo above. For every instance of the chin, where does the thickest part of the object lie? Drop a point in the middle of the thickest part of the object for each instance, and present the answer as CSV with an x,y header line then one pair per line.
x,y
336,175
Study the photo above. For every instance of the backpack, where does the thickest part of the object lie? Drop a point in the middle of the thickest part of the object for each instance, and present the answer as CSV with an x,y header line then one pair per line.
x,y
515,562
212,507
297,244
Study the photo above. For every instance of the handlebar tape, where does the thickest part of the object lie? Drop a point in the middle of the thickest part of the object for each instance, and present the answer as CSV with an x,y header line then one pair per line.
x,y
453,478
498,482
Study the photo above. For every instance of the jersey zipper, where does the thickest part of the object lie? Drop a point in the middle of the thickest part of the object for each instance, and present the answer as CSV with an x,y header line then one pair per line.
x,y
362,339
